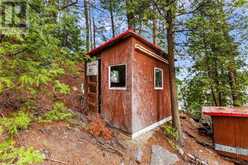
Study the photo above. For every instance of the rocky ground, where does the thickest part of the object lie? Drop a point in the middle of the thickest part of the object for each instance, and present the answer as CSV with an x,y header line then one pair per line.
x,y
72,144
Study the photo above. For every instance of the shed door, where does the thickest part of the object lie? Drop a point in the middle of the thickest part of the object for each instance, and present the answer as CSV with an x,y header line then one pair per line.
x,y
93,86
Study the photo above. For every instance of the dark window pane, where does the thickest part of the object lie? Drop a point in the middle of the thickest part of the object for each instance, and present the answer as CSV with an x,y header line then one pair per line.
x,y
118,76
158,78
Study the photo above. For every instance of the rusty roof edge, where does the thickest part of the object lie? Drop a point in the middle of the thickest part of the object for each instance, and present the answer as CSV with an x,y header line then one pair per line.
x,y
122,36
226,111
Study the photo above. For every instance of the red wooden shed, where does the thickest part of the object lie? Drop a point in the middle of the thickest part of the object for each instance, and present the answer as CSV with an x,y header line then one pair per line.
x,y
230,128
128,84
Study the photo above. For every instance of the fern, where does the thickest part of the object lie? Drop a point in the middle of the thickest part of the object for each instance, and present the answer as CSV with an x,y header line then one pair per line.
x,y
30,61
18,121
61,88
58,113
5,82
18,156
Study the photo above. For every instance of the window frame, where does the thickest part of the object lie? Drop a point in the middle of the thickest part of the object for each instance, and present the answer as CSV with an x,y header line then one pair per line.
x,y
162,78
109,74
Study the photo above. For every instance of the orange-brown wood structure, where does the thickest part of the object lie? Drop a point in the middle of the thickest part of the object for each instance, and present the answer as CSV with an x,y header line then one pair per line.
x,y
138,106
230,128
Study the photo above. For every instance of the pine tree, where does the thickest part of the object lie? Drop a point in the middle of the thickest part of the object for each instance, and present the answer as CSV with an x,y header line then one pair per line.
x,y
42,54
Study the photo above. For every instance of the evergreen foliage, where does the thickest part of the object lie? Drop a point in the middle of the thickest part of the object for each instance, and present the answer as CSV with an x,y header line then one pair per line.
x,y
38,56
18,121
32,63
58,113
170,131
61,87
218,66
18,156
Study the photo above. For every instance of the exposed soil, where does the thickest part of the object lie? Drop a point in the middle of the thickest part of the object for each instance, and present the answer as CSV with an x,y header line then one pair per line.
x,y
200,146
71,144
62,143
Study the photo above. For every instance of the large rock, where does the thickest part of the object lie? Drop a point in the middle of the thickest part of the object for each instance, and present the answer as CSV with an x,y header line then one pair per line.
x,y
138,155
161,156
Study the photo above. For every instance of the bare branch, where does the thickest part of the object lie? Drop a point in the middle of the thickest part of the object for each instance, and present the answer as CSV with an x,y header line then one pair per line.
x,y
183,30
69,5
158,9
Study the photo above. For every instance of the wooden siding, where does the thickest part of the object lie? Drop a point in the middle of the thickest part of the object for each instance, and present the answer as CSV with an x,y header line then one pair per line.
x,y
233,132
222,136
116,104
148,105
92,93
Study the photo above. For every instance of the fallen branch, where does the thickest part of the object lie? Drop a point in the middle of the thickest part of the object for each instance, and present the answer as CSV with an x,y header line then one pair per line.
x,y
120,144
105,147
54,160
205,144
109,148
191,158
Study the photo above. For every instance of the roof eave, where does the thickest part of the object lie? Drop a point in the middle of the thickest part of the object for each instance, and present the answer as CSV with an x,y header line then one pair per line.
x,y
123,36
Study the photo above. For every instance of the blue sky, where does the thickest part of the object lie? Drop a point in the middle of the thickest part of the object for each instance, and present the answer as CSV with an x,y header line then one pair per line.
x,y
102,19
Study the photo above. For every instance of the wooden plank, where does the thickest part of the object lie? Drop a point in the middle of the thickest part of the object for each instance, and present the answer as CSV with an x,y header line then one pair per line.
x,y
92,103
150,53
148,105
92,92
116,104
225,133
92,83
242,138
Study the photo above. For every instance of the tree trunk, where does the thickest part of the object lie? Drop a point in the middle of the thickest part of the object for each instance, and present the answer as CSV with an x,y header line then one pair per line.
x,y
209,70
94,32
232,68
173,89
232,72
234,86
154,31
112,17
86,15
130,16
90,29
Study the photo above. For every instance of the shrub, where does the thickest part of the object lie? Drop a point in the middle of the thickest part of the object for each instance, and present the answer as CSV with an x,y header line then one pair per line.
x,y
18,121
1,130
58,113
18,156
170,131
98,128
61,88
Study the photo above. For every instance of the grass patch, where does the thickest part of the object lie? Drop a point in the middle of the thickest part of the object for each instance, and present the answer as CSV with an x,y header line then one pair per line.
x,y
14,123
59,112
18,155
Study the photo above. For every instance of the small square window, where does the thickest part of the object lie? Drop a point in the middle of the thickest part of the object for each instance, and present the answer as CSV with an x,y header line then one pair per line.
x,y
117,76
158,78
